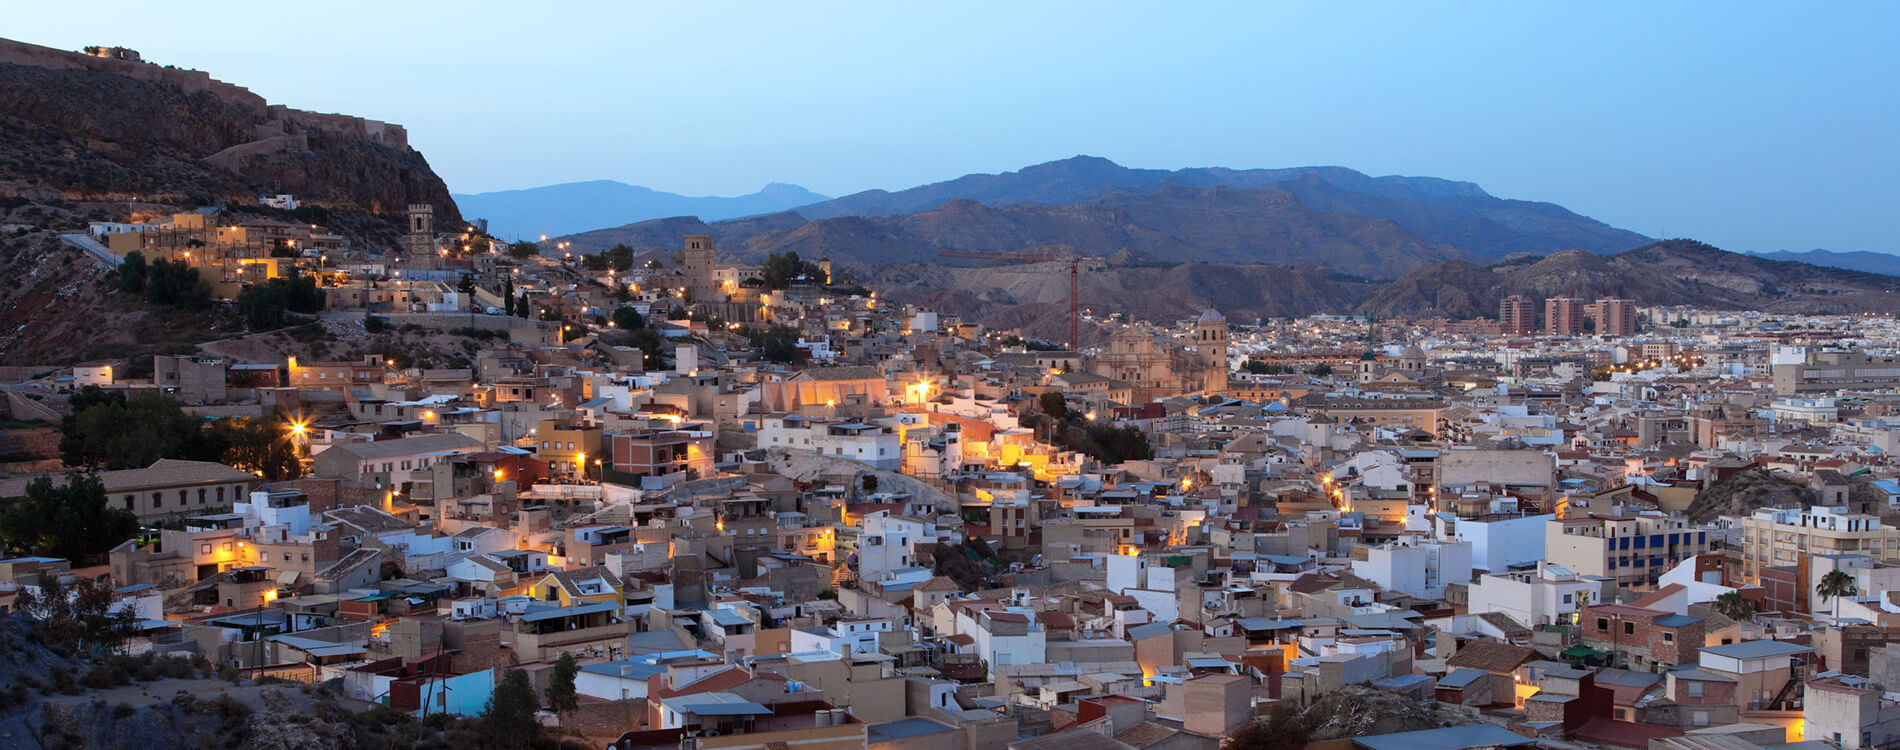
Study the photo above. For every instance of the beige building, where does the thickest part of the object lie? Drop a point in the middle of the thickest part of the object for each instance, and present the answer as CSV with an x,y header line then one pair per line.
x,y
167,487
1633,550
1781,536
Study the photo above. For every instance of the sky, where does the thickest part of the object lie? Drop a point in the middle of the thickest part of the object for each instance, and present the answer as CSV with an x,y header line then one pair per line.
x,y
1751,126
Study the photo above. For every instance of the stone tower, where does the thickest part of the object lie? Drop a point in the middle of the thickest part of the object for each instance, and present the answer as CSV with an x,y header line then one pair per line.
x,y
1210,347
421,242
699,267
825,264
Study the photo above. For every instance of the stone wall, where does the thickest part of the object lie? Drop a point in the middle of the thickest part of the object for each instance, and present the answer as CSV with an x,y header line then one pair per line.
x,y
192,81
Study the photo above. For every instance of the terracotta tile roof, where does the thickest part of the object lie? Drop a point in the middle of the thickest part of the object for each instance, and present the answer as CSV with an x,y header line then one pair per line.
x,y
1311,583
1485,656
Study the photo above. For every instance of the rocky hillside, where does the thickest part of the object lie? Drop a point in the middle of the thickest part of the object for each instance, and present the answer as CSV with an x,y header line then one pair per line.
x,y
80,128
59,305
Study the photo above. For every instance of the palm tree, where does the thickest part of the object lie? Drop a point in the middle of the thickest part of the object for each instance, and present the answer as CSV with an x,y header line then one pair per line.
x,y
1834,585
1734,606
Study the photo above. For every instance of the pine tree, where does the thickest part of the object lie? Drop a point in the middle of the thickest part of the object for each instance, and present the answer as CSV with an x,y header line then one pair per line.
x,y
561,695
508,719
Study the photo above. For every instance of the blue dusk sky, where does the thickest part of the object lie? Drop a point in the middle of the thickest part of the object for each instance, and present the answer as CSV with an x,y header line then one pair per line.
x,y
1752,126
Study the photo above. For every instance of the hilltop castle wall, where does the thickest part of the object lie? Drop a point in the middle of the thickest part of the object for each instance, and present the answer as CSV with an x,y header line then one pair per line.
x,y
198,81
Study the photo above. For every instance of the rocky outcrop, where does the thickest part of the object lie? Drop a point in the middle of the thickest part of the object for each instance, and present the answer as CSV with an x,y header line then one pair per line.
x,y
74,126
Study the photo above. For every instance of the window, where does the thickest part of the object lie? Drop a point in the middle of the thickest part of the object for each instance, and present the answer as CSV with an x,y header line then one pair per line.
x,y
1629,628
1567,598
201,496
1603,624
1701,719
226,546
1695,689
220,495
1669,637
158,499
204,549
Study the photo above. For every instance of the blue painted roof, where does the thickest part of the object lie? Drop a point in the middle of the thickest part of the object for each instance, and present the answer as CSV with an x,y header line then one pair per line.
x,y
1676,621
582,609
1757,649
903,729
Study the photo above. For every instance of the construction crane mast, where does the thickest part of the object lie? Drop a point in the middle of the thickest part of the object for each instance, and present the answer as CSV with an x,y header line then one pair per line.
x,y
1070,257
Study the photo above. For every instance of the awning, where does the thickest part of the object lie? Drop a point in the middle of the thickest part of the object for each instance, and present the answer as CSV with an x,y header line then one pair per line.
x,y
1583,652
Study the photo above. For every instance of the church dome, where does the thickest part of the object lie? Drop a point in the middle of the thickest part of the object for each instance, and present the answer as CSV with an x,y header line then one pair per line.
x,y
1211,316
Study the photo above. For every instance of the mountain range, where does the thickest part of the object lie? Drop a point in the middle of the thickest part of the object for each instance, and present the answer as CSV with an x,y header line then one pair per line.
x,y
1250,243
1329,215
579,206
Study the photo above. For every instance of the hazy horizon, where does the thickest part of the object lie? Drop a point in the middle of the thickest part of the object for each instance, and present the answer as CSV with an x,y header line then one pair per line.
x,y
1758,127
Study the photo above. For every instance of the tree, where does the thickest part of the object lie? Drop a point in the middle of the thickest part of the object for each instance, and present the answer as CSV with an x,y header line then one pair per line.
x,y
264,305
132,272
778,271
262,445
1734,606
72,520
108,430
1320,370
523,249
1054,404
619,258
508,295
561,695
1284,729
77,617
175,285
508,718
628,319
467,284
777,344
1834,585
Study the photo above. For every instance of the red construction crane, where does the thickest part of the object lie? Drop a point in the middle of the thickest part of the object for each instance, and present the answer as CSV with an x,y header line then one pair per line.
x,y
1060,255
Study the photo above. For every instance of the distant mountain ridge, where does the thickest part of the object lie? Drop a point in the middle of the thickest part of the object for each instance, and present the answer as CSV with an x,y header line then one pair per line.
x,y
571,207
1853,261
1449,212
1172,225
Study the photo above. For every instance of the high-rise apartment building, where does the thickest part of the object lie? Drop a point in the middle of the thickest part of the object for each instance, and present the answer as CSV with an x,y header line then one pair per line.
x,y
1516,316
1563,316
1614,317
